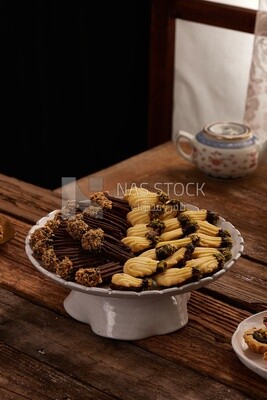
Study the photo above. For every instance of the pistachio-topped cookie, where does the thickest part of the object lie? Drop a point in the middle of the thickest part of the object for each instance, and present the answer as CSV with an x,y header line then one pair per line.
x,y
256,338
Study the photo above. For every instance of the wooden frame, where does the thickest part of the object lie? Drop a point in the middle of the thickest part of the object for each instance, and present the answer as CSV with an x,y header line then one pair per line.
x,y
162,48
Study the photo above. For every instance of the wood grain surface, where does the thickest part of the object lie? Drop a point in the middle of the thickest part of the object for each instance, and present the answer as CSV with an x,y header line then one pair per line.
x,y
46,354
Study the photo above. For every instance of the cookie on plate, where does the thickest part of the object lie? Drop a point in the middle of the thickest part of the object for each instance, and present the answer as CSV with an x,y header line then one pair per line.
x,y
256,339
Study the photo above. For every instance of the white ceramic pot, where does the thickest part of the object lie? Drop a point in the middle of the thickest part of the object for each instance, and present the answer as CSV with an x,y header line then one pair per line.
x,y
223,149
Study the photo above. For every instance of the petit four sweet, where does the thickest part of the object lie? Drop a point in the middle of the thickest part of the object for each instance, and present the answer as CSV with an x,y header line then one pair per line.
x,y
256,338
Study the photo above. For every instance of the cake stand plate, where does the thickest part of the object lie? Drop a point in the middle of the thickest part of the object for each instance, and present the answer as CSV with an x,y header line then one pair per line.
x,y
131,315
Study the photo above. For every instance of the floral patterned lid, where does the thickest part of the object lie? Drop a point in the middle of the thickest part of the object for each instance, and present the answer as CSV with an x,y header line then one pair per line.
x,y
227,131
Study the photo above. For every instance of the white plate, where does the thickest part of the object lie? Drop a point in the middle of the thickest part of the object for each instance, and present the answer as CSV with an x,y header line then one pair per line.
x,y
248,357
237,250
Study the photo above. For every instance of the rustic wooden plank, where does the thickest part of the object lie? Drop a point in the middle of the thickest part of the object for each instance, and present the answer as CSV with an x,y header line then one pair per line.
x,y
9,395
62,349
25,201
32,379
161,73
164,162
212,13
235,287
205,344
197,361
30,283
24,279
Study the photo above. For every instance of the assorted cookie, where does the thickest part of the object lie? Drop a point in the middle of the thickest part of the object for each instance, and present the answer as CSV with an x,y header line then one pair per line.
x,y
256,338
142,241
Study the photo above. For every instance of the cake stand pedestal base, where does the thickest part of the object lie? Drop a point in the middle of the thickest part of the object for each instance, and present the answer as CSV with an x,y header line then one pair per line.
x,y
129,318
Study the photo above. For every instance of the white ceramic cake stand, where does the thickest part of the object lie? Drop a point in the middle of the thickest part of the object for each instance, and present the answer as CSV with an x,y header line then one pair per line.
x,y
128,318
129,315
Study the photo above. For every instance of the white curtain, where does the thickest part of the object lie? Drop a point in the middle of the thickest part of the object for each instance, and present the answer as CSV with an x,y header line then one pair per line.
x,y
255,114
212,72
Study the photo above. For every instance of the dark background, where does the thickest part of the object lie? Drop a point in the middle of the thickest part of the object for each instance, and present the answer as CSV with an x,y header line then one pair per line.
x,y
74,78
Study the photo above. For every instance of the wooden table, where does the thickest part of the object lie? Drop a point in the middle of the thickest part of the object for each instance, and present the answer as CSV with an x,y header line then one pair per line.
x,y
46,354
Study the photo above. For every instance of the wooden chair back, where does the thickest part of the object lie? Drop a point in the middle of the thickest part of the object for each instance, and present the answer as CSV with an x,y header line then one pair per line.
x,y
162,50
